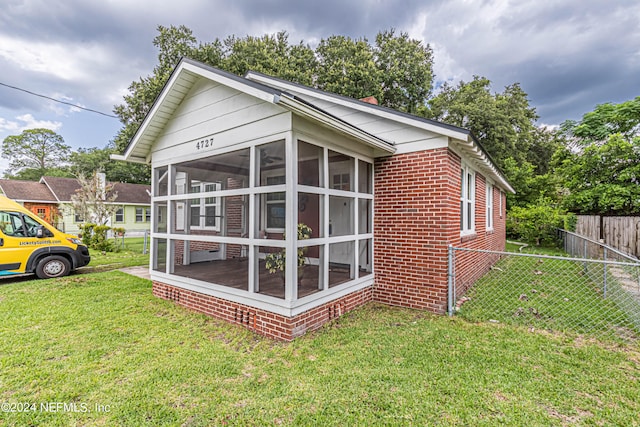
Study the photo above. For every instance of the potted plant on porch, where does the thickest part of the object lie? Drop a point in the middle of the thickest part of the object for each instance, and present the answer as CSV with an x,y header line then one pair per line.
x,y
276,261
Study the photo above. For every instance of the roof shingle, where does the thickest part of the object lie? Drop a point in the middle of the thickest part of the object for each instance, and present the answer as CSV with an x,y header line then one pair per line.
x,y
55,189
26,191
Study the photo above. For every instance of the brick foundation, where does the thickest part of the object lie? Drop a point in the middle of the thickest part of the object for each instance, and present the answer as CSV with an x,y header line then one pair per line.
x,y
261,321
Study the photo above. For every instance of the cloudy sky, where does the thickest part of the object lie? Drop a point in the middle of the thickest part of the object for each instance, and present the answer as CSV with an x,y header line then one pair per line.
x,y
567,55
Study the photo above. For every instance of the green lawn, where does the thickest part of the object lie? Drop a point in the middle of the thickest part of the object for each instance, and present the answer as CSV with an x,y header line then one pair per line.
x,y
102,340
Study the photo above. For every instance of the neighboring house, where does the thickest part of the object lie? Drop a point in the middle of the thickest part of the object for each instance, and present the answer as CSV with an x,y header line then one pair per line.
x,y
238,163
34,196
50,198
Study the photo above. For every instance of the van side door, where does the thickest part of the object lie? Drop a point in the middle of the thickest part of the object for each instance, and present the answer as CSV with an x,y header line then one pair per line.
x,y
17,241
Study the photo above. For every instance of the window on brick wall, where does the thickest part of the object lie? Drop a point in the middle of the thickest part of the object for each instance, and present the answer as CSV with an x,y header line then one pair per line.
x,y
489,203
467,199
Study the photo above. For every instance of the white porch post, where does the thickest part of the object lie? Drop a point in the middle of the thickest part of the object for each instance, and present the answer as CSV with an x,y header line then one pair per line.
x,y
170,214
253,249
291,221
325,218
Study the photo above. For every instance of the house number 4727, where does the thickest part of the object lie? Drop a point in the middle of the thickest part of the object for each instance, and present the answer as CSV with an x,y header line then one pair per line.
x,y
204,143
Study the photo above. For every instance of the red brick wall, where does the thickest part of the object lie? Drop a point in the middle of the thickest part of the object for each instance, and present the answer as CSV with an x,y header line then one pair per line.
x,y
417,215
261,321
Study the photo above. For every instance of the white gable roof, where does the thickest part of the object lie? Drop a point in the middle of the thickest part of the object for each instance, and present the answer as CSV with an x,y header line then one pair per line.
x,y
183,78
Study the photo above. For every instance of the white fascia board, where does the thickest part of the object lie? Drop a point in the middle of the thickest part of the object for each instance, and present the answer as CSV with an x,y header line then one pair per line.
x,y
334,123
131,159
50,202
234,84
193,69
360,106
471,149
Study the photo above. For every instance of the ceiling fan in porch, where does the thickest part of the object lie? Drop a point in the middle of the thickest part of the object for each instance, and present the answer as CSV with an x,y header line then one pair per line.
x,y
265,158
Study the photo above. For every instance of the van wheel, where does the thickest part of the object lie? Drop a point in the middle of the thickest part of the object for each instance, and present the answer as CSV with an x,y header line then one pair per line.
x,y
53,266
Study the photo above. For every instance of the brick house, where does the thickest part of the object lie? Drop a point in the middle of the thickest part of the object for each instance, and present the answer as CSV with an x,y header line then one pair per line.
x,y
50,199
241,163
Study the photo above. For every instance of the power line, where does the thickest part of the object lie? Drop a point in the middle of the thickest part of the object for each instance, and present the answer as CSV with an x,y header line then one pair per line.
x,y
57,100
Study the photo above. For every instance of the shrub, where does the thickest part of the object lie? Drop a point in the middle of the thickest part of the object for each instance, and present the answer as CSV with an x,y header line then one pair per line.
x,y
538,223
95,237
86,233
100,240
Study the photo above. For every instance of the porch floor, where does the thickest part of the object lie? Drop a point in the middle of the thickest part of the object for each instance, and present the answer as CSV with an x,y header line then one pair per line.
x,y
234,273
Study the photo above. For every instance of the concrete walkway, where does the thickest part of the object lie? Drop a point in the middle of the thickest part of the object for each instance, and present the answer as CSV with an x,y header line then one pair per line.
x,y
142,271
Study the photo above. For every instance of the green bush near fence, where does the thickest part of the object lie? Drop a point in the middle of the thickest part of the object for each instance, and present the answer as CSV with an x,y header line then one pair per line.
x,y
538,223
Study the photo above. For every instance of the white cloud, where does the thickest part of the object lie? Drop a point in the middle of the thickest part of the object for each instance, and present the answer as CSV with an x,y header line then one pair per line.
x,y
68,62
27,121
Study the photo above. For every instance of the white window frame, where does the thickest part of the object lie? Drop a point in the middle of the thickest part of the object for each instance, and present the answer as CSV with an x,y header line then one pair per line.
x,y
115,215
264,221
204,203
145,215
467,200
489,205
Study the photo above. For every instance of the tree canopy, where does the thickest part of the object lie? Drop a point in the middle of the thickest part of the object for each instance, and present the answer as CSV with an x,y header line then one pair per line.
x,y
34,153
606,120
87,161
600,165
504,123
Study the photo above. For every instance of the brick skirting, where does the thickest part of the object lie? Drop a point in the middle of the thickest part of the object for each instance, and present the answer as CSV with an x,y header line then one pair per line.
x,y
261,321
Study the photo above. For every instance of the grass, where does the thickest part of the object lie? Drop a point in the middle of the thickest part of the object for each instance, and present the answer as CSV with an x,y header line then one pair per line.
x,y
555,294
532,249
103,339
129,255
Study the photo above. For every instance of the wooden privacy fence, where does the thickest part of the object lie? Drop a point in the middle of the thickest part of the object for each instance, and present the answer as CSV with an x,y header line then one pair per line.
x,y
619,232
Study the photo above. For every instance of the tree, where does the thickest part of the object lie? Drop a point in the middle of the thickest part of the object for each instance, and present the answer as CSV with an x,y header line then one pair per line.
x,y
600,164
86,161
37,150
272,55
504,123
602,178
347,67
406,71
398,70
94,200
606,120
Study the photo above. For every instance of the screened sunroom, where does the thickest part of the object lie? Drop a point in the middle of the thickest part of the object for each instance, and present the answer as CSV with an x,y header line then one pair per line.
x,y
283,222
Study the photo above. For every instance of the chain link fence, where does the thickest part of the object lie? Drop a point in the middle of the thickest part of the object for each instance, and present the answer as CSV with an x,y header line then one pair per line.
x,y
594,289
